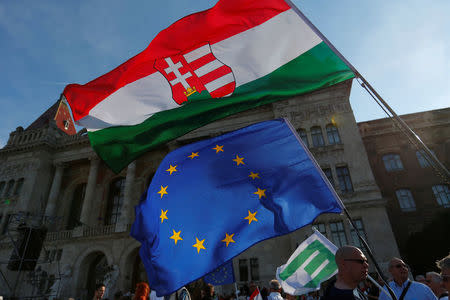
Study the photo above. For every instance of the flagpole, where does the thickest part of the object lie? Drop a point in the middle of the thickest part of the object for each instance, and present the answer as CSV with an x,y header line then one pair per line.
x,y
366,246
414,138
236,290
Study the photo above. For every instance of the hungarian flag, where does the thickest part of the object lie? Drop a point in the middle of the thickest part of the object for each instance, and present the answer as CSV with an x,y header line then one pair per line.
x,y
237,55
256,295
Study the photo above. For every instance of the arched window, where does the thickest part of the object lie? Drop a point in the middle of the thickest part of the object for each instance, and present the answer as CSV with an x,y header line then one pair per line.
x,y
333,135
18,187
304,136
405,199
115,201
76,206
317,136
392,162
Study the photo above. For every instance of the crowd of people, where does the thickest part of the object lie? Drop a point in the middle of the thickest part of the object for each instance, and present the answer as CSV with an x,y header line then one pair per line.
x,y
351,283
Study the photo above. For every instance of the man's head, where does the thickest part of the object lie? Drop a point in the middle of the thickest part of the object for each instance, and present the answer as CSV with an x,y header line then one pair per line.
x,y
421,279
275,286
252,287
398,270
444,266
352,265
99,291
434,281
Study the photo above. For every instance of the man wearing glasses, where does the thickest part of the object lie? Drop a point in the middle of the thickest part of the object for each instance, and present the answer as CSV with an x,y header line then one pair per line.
x,y
444,265
405,289
352,269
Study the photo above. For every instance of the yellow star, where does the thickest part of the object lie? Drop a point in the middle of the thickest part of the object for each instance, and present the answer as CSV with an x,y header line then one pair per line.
x,y
194,154
172,169
163,191
260,193
228,238
253,175
199,245
218,148
176,236
251,217
163,215
239,160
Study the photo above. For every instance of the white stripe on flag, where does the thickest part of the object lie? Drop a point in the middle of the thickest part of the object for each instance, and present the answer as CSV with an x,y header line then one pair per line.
x,y
197,53
219,82
319,269
309,259
209,67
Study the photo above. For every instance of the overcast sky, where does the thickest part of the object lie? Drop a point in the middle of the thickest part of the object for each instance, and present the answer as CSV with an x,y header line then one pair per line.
x,y
401,47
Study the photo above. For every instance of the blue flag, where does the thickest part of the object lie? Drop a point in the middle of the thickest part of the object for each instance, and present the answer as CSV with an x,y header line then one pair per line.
x,y
222,275
211,200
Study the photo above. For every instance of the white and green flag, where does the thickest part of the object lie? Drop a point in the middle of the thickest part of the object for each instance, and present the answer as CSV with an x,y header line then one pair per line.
x,y
310,264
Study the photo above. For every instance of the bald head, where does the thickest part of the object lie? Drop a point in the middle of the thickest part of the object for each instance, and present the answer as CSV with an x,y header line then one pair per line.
x,y
352,267
346,252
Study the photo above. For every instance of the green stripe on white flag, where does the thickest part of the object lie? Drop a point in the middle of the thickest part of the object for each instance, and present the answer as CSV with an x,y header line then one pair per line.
x,y
311,263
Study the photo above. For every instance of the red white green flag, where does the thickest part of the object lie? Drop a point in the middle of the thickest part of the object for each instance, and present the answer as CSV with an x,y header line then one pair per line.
x,y
238,55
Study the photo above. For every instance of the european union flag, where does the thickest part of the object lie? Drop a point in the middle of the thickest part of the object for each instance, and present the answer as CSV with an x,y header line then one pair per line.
x,y
211,200
222,275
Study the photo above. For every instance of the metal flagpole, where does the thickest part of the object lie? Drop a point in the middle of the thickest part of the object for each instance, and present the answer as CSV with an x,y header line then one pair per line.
x,y
347,214
437,165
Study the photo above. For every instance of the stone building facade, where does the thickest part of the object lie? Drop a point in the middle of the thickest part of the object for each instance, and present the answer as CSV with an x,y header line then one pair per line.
x,y
87,210
415,192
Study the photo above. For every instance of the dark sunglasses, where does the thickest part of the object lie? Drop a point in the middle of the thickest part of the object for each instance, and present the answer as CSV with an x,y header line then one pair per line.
x,y
358,260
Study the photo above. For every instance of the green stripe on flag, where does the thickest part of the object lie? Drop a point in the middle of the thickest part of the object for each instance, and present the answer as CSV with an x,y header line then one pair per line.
x,y
317,68
322,254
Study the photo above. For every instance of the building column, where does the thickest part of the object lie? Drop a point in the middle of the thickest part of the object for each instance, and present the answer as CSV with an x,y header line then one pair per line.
x,y
90,190
50,209
127,203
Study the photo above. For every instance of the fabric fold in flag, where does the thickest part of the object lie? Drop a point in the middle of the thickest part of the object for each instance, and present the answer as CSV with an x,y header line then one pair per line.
x,y
213,199
311,264
222,275
256,295
238,55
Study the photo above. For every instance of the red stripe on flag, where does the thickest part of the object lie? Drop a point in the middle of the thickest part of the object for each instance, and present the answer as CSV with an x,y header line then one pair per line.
x,y
219,72
225,19
224,91
202,61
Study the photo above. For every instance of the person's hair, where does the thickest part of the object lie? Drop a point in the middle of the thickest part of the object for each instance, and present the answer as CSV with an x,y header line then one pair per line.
x,y
420,277
274,284
436,277
391,262
99,285
118,295
142,291
444,263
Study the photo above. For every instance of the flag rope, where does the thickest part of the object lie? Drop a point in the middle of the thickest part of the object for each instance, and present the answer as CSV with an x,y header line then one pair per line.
x,y
438,166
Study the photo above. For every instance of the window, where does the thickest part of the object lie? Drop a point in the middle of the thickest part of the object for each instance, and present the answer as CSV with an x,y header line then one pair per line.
x,y
115,201
254,269
321,228
333,134
18,187
405,199
6,225
442,195
304,136
329,175
317,137
345,182
392,162
2,187
338,234
423,158
243,270
9,187
76,206
360,227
